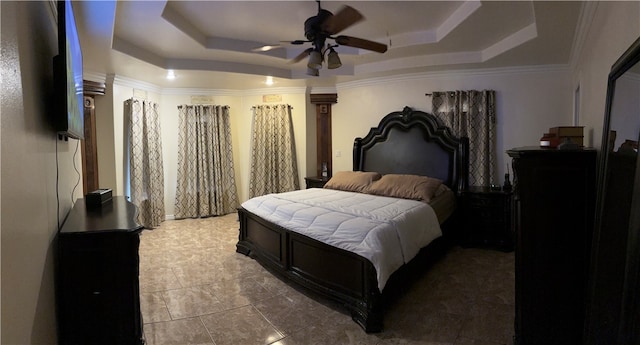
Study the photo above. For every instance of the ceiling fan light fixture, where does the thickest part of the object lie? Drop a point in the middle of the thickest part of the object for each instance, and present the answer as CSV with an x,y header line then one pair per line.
x,y
315,60
312,72
326,25
333,60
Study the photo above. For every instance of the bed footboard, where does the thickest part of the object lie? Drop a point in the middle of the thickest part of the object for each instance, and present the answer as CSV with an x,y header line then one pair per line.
x,y
404,142
342,276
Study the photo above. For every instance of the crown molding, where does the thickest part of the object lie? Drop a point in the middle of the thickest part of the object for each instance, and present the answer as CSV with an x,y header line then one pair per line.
x,y
318,90
140,85
95,77
587,13
453,73
231,92
136,84
198,92
273,90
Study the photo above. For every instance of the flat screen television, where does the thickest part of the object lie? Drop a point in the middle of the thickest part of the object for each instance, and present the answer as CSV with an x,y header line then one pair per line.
x,y
67,75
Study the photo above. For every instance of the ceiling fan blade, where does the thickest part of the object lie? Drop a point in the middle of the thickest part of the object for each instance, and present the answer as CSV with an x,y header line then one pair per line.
x,y
345,17
268,47
361,43
301,56
296,42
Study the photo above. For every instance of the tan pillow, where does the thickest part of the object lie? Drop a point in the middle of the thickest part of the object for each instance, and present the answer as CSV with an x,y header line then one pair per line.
x,y
413,187
352,181
441,190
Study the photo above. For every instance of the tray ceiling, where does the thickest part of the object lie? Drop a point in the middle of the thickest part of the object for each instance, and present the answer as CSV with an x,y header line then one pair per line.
x,y
209,43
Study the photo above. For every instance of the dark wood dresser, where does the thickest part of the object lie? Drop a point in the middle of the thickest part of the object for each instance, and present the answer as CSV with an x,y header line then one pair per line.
x,y
487,218
554,199
98,298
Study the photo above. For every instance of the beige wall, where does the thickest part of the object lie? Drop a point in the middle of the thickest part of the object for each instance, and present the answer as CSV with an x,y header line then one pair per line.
x,y
529,101
29,144
614,27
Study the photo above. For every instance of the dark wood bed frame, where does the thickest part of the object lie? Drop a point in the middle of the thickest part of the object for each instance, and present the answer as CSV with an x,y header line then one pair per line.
x,y
406,142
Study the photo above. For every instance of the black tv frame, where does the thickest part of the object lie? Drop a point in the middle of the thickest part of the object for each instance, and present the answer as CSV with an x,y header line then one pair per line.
x,y
68,115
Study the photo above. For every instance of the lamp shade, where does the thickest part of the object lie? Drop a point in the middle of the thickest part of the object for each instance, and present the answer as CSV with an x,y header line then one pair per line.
x,y
333,60
315,60
312,72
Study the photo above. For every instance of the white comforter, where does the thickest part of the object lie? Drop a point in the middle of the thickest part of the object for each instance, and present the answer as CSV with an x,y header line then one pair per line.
x,y
387,231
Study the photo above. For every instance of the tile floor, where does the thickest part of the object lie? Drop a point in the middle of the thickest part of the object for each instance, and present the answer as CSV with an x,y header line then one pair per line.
x,y
195,289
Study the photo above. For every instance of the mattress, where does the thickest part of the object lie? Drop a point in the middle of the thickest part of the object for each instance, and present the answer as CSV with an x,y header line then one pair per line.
x,y
387,231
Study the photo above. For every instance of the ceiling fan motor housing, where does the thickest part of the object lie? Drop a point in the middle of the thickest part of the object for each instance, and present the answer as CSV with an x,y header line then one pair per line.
x,y
323,26
313,25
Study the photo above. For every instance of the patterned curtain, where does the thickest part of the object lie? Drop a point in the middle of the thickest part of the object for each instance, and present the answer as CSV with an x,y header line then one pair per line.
x,y
274,167
146,174
472,114
206,183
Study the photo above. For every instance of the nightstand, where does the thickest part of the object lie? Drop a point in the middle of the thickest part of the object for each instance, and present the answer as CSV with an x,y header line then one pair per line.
x,y
316,181
487,218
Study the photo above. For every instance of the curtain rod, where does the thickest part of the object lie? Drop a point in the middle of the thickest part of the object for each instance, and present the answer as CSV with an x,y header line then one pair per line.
x,y
203,105
431,94
266,105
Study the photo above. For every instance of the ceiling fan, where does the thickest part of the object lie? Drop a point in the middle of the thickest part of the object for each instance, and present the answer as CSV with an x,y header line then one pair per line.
x,y
323,26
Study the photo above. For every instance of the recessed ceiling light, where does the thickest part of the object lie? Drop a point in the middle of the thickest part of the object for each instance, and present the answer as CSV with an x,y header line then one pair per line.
x,y
265,48
171,75
269,80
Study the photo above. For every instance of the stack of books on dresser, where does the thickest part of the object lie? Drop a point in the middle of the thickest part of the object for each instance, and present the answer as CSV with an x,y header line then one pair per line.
x,y
559,135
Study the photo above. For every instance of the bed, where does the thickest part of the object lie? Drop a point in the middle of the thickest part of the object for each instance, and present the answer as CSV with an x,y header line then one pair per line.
x,y
406,142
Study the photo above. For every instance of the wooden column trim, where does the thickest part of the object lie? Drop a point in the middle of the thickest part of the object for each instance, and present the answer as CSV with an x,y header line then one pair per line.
x,y
327,98
89,148
323,102
92,88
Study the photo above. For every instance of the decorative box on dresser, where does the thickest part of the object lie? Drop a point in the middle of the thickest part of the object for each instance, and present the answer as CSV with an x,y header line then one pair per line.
x,y
97,286
487,218
554,199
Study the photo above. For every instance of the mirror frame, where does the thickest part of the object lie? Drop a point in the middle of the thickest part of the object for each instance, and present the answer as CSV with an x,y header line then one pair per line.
x,y
629,311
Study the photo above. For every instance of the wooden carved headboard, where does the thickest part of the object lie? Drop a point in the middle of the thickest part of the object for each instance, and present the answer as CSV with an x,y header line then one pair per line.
x,y
413,142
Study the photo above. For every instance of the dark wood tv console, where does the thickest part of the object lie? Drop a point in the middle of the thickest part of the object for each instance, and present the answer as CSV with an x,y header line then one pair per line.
x,y
98,299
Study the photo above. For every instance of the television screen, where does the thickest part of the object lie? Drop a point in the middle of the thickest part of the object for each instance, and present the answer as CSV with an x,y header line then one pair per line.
x,y
68,75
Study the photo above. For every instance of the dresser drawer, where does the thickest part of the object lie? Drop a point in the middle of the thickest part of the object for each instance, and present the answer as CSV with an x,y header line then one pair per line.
x,y
485,214
487,218
484,200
